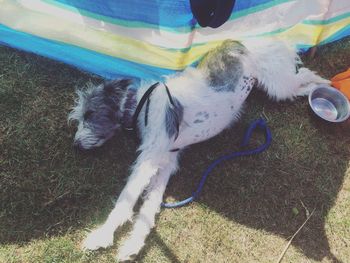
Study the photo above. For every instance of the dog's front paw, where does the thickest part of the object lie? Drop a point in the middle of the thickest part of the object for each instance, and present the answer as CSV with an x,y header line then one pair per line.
x,y
100,237
129,250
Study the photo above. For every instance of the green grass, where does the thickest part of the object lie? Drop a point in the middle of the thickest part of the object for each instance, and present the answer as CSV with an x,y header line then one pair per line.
x,y
51,196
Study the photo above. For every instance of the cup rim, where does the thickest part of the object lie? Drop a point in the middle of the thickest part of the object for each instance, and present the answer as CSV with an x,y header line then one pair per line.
x,y
334,90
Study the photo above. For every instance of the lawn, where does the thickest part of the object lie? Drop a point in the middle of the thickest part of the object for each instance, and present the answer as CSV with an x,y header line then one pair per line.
x,y
249,208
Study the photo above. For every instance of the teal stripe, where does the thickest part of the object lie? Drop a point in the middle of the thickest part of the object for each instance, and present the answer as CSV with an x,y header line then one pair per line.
x,y
255,9
338,35
88,60
305,22
258,8
180,30
344,32
328,21
272,33
303,47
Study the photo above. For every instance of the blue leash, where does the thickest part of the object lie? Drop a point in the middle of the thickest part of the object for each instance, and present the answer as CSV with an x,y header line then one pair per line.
x,y
260,123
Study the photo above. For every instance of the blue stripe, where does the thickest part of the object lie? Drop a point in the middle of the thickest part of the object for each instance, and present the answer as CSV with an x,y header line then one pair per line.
x,y
245,4
163,13
167,13
344,32
91,61
338,35
303,47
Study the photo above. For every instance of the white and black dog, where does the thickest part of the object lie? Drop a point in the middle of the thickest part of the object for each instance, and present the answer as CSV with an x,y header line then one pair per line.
x,y
204,101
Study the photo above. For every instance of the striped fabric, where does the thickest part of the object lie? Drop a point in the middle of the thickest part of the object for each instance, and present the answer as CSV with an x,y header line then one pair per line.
x,y
151,38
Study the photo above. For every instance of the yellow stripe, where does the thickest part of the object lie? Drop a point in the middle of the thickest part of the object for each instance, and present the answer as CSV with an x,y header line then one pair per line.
x,y
54,28
313,34
331,29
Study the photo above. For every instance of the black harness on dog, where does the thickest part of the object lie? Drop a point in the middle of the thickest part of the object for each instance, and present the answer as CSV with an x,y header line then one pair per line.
x,y
146,99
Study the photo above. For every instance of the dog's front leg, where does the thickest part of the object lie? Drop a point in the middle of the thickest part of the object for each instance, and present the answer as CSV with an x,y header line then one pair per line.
x,y
146,166
145,220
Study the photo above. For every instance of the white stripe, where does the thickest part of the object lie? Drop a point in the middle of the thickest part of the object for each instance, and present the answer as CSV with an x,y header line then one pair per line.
x,y
277,17
271,19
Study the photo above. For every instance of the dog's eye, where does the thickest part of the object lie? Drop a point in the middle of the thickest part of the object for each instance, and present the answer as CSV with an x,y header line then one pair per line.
x,y
87,114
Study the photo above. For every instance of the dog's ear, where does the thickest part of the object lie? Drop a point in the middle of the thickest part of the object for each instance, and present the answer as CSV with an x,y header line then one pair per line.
x,y
116,87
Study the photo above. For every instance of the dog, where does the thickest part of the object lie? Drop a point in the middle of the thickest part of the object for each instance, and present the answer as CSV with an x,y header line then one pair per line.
x,y
187,108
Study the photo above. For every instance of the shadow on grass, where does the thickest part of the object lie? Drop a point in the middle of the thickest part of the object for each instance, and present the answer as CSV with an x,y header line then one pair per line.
x,y
302,170
46,189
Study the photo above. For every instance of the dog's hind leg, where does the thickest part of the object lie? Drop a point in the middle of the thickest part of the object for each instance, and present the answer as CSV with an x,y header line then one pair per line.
x,y
275,65
291,85
146,166
145,220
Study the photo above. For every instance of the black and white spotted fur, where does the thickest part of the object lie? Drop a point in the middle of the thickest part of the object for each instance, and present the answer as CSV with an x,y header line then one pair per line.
x,y
207,100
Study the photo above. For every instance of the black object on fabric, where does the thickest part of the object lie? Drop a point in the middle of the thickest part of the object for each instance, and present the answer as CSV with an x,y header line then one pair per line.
x,y
212,13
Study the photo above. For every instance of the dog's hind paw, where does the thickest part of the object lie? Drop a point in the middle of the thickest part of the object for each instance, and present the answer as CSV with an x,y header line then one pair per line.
x,y
129,250
98,238
126,258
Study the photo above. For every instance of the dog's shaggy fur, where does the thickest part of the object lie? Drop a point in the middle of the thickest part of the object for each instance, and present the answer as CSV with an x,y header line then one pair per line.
x,y
205,101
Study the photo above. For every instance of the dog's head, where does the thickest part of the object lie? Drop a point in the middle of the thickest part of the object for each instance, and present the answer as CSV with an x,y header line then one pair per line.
x,y
97,112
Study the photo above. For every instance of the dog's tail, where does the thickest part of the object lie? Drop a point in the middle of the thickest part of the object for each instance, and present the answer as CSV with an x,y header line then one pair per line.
x,y
278,68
